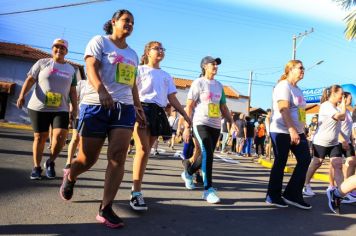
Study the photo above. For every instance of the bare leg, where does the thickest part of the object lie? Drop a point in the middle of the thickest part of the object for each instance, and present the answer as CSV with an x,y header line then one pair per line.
x,y
58,141
314,165
39,143
348,185
72,147
350,166
336,163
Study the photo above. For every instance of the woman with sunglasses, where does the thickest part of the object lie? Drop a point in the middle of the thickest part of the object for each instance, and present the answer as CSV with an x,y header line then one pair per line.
x,y
326,137
155,86
108,109
55,82
287,134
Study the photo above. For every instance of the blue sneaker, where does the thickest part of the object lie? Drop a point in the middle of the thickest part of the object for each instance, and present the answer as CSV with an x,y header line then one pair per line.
x,y
36,173
50,171
211,196
188,179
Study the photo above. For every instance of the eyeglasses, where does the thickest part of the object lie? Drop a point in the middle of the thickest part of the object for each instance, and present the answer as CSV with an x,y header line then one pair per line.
x,y
301,68
160,49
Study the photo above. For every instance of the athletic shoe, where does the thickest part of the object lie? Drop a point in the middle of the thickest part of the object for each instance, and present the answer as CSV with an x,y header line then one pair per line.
x,y
333,201
211,196
36,173
66,190
188,180
50,171
353,194
330,188
300,204
307,191
276,202
198,178
108,217
349,199
137,202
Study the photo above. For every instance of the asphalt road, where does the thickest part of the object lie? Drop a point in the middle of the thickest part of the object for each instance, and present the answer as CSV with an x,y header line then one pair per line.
x,y
30,207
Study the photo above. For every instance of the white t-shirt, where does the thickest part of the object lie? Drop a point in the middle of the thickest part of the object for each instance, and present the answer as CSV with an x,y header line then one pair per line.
x,y
346,126
115,64
208,95
284,91
173,122
328,129
154,85
53,83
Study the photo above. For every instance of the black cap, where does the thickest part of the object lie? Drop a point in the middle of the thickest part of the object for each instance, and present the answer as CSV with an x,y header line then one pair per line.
x,y
209,59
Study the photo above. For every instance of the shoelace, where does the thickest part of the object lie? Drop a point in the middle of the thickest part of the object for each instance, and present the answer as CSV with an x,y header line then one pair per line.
x,y
140,200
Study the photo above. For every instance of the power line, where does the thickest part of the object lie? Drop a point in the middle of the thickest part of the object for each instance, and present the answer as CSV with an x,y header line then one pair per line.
x,y
51,8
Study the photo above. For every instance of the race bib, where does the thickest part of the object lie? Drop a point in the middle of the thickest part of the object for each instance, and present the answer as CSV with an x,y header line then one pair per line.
x,y
301,115
214,110
53,99
125,74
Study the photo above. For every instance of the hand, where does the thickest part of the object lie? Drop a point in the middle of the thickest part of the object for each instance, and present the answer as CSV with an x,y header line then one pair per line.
x,y
105,99
20,102
345,145
140,118
294,136
186,135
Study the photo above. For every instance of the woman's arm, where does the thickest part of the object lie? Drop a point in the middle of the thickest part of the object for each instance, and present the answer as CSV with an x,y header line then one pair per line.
x,y
29,82
176,104
283,107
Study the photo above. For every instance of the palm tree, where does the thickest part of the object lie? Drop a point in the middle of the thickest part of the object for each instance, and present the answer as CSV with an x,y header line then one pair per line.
x,y
350,31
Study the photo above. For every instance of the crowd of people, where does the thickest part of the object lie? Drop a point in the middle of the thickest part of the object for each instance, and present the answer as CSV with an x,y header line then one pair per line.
x,y
125,97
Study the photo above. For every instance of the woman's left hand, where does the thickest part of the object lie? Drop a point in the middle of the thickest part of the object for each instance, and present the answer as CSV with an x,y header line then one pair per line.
x,y
140,118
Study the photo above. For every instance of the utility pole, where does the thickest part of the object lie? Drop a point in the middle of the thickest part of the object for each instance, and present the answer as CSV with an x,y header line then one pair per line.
x,y
300,35
249,92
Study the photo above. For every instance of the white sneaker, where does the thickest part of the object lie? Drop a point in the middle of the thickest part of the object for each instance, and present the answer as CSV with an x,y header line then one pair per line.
x,y
210,196
188,180
349,199
307,191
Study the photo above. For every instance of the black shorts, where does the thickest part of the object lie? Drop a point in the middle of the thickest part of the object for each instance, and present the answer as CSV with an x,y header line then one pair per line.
x,y
348,153
41,121
322,152
157,120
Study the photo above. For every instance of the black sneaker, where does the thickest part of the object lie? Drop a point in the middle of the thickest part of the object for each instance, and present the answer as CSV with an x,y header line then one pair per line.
x,y
298,203
198,178
66,190
36,173
137,202
50,171
334,201
276,202
108,217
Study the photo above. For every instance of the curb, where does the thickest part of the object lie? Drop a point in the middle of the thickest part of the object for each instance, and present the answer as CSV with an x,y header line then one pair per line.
x,y
287,169
15,126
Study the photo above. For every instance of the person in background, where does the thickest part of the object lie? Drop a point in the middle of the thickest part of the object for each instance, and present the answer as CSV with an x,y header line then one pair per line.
x,y
173,123
110,108
55,82
241,134
225,129
250,136
287,134
325,141
260,137
312,128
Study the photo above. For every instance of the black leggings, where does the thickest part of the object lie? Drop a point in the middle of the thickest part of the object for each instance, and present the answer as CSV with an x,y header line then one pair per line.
x,y
207,138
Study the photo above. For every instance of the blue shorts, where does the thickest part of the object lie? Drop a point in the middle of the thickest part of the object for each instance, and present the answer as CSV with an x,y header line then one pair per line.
x,y
96,121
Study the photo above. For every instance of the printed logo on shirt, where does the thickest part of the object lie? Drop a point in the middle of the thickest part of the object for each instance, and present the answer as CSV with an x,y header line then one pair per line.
x,y
60,73
115,58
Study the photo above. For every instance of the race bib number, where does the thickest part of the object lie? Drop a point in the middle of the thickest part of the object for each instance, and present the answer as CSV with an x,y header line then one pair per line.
x,y
301,115
53,99
214,110
125,74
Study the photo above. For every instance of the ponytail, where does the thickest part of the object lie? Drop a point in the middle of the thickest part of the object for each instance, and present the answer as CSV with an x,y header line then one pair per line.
x,y
328,91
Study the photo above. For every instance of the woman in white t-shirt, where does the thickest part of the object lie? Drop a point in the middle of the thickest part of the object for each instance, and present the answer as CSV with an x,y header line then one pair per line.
x,y
325,141
108,109
155,87
287,134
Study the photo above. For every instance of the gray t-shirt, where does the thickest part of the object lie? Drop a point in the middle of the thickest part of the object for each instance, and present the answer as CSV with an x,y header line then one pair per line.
x,y
117,71
284,91
52,87
328,128
208,95
241,124
346,127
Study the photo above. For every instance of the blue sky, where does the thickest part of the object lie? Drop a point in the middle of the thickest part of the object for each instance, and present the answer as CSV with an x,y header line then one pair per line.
x,y
247,35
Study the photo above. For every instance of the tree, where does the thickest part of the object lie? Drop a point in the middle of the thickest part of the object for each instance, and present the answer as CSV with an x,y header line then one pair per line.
x,y
350,31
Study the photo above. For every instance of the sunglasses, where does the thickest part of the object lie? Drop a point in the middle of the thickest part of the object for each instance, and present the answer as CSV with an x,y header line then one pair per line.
x,y
160,49
301,68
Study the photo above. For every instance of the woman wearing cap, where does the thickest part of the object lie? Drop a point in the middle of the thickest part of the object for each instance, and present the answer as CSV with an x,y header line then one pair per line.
x,y
287,134
206,96
155,86
108,110
55,82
